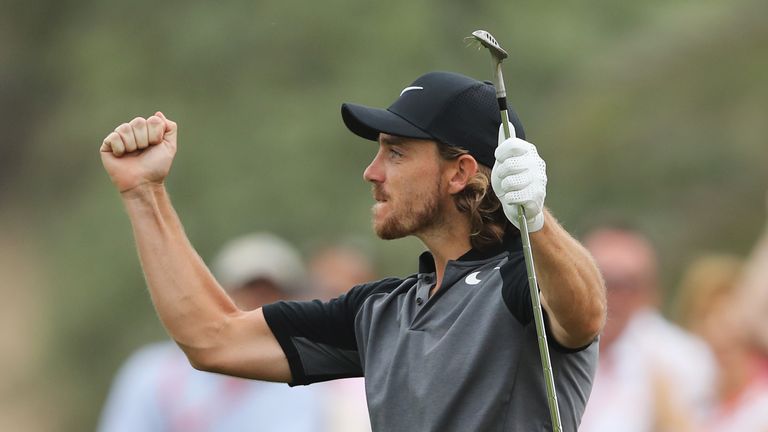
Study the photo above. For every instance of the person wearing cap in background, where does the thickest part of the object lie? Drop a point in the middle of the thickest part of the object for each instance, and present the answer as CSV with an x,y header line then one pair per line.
x,y
450,348
333,269
158,390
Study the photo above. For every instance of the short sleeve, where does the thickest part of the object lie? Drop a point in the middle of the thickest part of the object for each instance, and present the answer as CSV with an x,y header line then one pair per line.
x,y
318,338
517,297
515,290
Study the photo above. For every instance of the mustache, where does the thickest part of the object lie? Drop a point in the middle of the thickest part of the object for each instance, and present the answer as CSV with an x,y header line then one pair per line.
x,y
378,193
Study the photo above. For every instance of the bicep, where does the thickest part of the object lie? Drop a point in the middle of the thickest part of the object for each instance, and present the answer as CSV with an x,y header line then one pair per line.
x,y
317,338
298,342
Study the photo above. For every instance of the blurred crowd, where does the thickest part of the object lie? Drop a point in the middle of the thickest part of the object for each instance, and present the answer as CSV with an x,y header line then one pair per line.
x,y
705,369
157,389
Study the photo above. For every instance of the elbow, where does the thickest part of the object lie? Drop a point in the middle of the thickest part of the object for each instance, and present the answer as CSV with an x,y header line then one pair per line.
x,y
601,309
595,319
593,327
215,360
588,327
595,312
202,359
208,353
586,333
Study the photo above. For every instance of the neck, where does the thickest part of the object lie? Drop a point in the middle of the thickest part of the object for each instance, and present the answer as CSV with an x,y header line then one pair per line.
x,y
447,242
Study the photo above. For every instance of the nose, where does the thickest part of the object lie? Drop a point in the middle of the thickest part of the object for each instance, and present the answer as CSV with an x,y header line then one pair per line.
x,y
374,173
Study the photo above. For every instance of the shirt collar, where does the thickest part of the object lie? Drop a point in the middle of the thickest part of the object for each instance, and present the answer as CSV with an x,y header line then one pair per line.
x,y
510,242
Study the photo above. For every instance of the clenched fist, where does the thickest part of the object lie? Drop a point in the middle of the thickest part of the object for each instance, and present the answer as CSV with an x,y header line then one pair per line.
x,y
139,152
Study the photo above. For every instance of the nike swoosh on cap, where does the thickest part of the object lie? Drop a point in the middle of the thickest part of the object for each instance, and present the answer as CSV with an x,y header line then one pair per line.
x,y
407,89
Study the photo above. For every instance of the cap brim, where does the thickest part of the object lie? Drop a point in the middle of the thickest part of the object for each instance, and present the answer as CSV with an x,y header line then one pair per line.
x,y
367,122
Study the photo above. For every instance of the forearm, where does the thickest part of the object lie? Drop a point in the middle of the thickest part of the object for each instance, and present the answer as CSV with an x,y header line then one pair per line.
x,y
572,289
190,303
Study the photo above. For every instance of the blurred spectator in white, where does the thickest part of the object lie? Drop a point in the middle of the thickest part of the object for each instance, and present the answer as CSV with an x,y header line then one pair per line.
x,y
652,375
158,390
334,269
710,306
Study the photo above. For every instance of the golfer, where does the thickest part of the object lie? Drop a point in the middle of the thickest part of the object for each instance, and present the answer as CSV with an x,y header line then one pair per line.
x,y
450,348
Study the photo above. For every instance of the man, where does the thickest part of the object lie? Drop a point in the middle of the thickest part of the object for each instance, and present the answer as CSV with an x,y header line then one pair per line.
x,y
754,296
710,307
653,375
157,389
453,347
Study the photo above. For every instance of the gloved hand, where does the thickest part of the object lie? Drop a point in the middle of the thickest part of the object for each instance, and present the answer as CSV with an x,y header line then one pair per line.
x,y
519,177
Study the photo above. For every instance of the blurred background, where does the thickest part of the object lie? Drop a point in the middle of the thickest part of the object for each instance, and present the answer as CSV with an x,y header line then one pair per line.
x,y
649,111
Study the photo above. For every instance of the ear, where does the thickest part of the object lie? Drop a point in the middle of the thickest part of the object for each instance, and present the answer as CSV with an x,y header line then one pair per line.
x,y
462,169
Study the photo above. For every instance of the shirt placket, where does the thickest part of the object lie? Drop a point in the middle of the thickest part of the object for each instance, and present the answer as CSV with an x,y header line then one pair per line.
x,y
426,282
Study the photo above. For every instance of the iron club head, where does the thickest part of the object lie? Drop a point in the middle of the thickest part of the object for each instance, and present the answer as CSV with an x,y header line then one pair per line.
x,y
488,41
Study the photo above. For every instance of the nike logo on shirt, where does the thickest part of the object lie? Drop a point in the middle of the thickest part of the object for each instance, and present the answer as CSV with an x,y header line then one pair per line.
x,y
472,279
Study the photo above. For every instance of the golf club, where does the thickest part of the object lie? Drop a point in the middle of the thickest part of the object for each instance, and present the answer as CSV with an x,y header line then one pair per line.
x,y
498,54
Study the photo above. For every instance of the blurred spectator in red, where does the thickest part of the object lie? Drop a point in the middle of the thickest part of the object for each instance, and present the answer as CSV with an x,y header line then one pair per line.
x,y
710,306
158,390
650,370
334,269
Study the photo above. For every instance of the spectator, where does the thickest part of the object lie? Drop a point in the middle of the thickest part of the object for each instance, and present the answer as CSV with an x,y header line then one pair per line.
x,y
753,291
649,370
710,307
158,390
334,269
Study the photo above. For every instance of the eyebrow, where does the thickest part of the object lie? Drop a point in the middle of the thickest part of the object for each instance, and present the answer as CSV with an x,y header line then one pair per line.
x,y
392,140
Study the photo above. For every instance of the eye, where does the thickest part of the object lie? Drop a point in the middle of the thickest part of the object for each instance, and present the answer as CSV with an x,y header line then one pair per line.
x,y
394,153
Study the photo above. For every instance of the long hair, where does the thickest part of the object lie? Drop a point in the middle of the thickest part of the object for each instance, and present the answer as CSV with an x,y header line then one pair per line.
x,y
487,220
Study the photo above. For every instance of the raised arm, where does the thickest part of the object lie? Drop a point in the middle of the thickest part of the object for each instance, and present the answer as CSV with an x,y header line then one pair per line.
x,y
572,290
197,313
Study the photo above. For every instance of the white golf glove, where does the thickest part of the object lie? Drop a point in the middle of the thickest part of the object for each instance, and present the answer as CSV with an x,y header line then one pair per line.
x,y
519,178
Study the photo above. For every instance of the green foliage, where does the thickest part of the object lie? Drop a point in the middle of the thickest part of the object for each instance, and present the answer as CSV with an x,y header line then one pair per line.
x,y
654,111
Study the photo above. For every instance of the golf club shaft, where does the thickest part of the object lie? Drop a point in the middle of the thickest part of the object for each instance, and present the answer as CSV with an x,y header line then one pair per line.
x,y
533,287
501,98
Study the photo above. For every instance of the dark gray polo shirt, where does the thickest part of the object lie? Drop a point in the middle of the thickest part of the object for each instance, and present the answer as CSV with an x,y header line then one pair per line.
x,y
465,359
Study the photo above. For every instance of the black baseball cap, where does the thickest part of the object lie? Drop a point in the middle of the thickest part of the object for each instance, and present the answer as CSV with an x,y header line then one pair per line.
x,y
442,106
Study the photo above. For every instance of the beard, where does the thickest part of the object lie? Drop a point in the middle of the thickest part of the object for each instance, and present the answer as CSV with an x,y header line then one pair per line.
x,y
413,214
